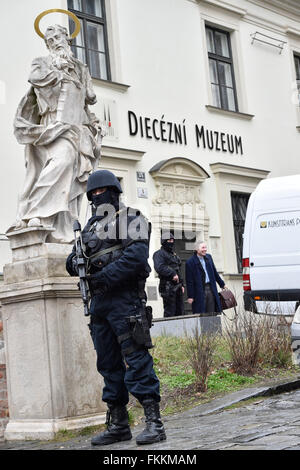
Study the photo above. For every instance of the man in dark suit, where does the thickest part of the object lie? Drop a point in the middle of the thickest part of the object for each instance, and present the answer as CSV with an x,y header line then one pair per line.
x,y
201,279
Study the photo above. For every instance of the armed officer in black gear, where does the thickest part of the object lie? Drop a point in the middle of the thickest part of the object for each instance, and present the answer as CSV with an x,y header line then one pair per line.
x,y
168,267
116,244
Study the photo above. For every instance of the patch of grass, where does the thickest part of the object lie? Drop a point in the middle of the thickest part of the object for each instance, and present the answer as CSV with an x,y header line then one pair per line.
x,y
177,378
135,412
221,353
66,434
170,362
249,401
168,351
224,381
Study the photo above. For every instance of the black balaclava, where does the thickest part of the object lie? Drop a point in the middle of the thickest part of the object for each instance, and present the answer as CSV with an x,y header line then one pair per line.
x,y
169,246
108,197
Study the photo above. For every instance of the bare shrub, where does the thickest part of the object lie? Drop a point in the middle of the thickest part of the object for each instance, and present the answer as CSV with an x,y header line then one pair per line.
x,y
276,342
199,349
244,337
255,339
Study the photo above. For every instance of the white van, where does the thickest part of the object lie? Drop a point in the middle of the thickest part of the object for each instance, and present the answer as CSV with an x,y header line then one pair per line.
x,y
271,247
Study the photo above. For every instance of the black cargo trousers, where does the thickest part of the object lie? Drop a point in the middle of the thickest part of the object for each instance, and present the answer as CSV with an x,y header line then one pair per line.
x,y
125,367
173,303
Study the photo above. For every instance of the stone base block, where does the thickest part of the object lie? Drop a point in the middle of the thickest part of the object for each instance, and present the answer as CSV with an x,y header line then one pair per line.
x,y
52,378
32,258
41,429
48,260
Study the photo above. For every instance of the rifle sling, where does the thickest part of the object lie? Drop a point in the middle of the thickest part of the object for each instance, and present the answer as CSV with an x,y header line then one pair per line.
x,y
112,248
104,252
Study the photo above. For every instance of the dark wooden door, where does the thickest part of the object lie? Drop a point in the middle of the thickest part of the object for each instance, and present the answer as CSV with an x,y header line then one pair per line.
x,y
184,249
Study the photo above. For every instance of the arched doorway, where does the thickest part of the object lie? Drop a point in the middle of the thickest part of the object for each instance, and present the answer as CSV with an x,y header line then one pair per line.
x,y
178,205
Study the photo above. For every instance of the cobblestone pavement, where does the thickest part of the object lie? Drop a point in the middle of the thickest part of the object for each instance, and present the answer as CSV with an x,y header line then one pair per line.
x,y
267,423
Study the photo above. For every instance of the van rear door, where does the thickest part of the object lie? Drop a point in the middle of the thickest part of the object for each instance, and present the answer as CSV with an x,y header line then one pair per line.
x,y
272,246
275,251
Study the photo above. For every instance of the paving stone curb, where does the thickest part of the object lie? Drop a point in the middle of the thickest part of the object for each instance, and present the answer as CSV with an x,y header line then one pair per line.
x,y
245,394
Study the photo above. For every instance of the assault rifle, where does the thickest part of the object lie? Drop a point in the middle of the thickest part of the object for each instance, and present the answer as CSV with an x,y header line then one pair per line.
x,y
171,287
81,265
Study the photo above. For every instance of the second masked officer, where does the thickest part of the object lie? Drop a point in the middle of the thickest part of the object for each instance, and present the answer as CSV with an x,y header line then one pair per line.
x,y
116,243
168,267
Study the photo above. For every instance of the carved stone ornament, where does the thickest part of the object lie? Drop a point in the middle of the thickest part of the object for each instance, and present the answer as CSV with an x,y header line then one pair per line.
x,y
178,181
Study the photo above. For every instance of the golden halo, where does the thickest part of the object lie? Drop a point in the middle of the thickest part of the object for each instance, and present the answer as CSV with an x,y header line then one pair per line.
x,y
57,10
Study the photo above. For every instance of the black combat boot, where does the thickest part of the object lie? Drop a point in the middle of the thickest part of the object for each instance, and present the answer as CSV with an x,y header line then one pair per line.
x,y
154,430
117,427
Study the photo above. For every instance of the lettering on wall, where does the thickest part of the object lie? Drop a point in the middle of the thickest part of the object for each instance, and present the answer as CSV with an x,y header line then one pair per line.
x,y
220,141
175,133
157,129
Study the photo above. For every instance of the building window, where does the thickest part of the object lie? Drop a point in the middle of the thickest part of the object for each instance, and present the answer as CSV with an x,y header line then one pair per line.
x,y
90,46
239,202
297,66
221,69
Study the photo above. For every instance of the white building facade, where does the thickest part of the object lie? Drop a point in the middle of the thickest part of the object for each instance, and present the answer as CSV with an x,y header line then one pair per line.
x,y
199,99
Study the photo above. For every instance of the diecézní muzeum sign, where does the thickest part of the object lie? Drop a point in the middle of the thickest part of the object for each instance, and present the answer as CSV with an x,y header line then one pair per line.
x,y
168,131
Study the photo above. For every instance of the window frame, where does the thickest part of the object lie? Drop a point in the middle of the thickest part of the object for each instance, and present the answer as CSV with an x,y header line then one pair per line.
x,y
224,59
237,233
85,17
297,68
296,57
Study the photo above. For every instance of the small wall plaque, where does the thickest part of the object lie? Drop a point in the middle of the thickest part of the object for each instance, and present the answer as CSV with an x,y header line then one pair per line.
x,y
141,176
151,293
142,192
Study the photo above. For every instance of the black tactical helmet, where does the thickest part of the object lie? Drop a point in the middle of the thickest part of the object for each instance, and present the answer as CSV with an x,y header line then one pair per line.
x,y
166,236
102,179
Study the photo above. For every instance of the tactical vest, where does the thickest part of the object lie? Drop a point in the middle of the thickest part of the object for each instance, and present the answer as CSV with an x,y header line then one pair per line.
x,y
104,239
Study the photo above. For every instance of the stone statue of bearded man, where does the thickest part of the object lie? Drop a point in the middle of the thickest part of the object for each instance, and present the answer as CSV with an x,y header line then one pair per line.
x,y
62,139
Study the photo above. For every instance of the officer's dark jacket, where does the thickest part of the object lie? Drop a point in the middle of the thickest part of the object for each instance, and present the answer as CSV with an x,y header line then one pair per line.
x,y
127,230
167,264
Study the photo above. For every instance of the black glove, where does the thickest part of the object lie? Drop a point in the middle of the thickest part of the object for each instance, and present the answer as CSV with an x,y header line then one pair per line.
x,y
71,265
74,264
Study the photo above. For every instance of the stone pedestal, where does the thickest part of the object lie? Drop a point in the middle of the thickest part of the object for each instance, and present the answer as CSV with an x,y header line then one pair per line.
x,y
52,379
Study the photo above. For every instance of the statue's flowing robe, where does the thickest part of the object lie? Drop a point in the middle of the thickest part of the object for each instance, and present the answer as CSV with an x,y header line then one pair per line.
x,y
55,124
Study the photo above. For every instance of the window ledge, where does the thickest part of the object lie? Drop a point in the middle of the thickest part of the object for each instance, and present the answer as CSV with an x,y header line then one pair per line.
x,y
112,85
235,114
229,169
233,276
122,153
